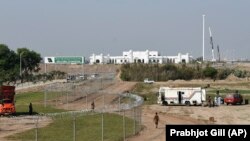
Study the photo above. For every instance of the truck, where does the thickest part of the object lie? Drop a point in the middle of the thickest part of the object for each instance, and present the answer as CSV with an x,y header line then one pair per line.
x,y
146,80
7,100
181,96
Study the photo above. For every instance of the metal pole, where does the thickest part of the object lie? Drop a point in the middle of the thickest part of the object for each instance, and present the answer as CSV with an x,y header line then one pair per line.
x,y
36,129
203,37
119,105
21,64
74,127
124,129
45,98
140,117
102,127
67,100
134,122
103,101
86,100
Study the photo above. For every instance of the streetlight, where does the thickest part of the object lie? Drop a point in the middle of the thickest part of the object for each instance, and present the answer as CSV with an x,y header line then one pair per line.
x,y
21,64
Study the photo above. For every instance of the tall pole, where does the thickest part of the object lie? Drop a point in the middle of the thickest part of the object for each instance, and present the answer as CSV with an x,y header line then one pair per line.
x,y
20,64
203,37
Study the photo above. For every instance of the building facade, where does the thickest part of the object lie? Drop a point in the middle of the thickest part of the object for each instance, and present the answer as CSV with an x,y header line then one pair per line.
x,y
146,57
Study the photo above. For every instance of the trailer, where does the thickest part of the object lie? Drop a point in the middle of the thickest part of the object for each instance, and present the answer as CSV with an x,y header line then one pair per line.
x,y
181,96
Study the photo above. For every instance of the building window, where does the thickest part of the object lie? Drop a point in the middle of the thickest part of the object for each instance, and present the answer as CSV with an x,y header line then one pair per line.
x,y
121,61
97,61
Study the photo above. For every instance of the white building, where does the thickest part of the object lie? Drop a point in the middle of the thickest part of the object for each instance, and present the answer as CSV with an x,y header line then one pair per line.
x,y
139,57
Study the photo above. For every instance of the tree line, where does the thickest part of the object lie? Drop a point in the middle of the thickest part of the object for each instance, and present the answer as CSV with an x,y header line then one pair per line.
x,y
23,66
165,72
19,65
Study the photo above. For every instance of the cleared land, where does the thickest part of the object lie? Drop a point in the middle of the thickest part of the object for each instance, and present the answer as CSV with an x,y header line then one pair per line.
x,y
238,114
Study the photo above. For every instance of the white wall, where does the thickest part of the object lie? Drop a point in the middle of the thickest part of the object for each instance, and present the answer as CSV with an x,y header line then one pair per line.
x,y
139,56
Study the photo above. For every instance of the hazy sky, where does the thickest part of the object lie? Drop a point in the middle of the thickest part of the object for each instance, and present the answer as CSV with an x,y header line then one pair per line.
x,y
84,27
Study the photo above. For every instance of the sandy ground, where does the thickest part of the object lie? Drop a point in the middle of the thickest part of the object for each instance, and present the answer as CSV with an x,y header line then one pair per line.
x,y
238,114
13,125
188,115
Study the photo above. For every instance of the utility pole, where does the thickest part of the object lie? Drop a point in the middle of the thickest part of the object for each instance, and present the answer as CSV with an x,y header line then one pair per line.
x,y
203,37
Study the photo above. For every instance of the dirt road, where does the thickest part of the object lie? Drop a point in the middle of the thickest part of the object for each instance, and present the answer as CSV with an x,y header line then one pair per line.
x,y
188,115
111,92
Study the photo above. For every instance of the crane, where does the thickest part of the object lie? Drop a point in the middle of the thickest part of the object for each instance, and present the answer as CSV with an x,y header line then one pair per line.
x,y
212,44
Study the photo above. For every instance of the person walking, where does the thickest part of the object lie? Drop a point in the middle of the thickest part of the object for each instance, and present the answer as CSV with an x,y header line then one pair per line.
x,y
209,101
30,109
156,120
93,105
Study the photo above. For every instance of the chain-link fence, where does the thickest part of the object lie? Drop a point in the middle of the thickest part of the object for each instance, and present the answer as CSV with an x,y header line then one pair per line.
x,y
74,126
59,94
114,116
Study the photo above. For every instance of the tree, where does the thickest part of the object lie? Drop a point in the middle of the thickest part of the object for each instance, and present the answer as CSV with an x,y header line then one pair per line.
x,y
10,63
29,60
9,68
210,72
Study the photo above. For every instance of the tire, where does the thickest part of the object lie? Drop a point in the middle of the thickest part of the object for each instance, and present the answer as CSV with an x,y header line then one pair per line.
x,y
187,103
227,103
164,103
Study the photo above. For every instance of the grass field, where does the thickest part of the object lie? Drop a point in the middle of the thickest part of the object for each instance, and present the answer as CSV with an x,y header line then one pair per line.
x,y
36,98
88,128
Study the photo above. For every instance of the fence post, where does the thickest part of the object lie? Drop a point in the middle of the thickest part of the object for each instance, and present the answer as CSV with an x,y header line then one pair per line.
x,y
36,131
74,127
124,129
86,100
67,100
103,101
102,127
140,117
134,122
45,98
119,105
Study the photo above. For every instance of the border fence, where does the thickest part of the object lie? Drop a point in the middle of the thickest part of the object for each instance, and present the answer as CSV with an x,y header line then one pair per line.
x,y
116,116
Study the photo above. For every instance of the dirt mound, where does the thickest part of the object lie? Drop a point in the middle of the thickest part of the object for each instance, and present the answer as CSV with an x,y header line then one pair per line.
x,y
231,77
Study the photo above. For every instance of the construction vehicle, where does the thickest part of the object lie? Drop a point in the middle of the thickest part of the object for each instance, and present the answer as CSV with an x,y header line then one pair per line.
x,y
181,96
212,44
7,103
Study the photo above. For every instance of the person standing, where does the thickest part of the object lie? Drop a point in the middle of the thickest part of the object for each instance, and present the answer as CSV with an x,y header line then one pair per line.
x,y
30,109
156,120
218,98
